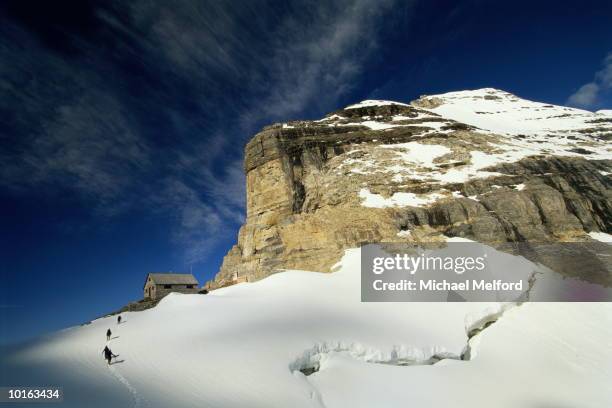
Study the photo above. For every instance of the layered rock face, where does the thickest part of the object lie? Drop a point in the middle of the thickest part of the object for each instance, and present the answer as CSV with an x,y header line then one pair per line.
x,y
484,165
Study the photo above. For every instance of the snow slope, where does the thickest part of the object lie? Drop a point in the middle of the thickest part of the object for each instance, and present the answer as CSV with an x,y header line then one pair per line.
x,y
501,112
537,355
241,346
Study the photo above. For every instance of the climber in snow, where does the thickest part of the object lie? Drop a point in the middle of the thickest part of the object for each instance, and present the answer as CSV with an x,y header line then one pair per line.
x,y
119,319
108,354
108,334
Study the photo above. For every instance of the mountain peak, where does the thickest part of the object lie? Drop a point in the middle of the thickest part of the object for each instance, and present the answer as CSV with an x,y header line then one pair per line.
x,y
501,112
373,102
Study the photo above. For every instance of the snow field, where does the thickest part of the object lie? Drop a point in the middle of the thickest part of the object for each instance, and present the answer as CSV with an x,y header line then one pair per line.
x,y
243,346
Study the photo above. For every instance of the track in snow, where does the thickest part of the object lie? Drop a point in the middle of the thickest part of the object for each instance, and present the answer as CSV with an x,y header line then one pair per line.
x,y
138,399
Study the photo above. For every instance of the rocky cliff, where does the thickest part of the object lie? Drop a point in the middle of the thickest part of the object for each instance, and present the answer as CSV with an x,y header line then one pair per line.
x,y
480,164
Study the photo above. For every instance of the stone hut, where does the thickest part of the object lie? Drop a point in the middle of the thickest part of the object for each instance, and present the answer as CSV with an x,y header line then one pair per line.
x,y
159,285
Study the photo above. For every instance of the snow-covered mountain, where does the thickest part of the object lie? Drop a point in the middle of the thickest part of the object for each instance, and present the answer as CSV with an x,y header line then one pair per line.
x,y
247,345
482,164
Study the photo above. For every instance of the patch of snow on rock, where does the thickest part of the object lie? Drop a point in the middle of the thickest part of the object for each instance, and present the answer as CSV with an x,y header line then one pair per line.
x,y
601,236
399,199
373,102
418,153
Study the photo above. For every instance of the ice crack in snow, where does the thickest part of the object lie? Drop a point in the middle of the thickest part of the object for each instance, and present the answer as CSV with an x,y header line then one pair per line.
x,y
310,360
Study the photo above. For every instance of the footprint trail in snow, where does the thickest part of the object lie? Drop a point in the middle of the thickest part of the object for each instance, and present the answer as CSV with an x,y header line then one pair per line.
x,y
138,399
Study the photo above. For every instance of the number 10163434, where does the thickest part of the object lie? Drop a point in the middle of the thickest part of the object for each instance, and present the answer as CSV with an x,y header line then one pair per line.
x,y
31,394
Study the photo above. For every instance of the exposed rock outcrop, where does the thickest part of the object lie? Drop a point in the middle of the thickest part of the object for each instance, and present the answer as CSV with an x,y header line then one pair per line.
x,y
384,171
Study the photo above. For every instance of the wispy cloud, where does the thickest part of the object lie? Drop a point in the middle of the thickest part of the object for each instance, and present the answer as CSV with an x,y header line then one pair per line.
x,y
308,57
197,225
66,130
156,100
589,94
316,60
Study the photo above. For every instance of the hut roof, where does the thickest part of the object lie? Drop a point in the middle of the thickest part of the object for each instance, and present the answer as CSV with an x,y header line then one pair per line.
x,y
172,279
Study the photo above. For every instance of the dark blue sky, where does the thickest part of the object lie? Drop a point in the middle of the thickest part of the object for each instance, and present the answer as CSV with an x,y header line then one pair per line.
x,y
122,124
